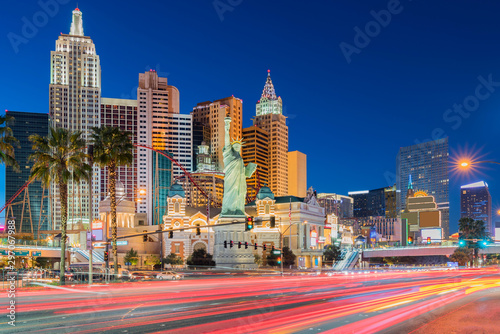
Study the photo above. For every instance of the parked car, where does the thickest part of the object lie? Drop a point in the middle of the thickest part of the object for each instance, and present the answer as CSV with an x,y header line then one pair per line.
x,y
138,276
171,275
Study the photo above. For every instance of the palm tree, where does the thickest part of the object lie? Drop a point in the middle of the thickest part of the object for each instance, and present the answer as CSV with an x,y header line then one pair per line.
x,y
473,229
7,142
59,158
112,148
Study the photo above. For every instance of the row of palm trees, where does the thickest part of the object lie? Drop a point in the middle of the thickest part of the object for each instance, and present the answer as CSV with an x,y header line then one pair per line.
x,y
62,156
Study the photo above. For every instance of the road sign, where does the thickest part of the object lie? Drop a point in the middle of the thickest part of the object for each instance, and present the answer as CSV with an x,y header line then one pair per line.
x,y
276,252
474,240
33,253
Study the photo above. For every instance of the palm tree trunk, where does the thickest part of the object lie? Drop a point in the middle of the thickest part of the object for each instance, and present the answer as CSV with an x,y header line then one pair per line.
x,y
63,194
112,195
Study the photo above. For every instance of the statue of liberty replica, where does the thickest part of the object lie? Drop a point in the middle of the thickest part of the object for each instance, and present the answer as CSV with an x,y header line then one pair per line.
x,y
235,175
233,207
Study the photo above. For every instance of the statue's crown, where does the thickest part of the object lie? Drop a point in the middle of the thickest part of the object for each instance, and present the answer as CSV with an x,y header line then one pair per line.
x,y
238,141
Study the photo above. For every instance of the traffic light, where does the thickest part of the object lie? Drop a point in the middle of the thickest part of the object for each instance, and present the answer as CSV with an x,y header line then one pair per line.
x,y
239,244
461,242
225,243
484,243
170,234
144,237
246,245
272,248
198,232
264,247
255,246
273,222
231,244
249,225
106,256
279,260
428,240
410,240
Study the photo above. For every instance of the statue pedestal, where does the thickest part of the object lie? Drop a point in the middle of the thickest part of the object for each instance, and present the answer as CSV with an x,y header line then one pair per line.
x,y
239,258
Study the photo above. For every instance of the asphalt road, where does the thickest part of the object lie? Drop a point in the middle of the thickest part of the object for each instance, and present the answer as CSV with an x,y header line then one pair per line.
x,y
459,301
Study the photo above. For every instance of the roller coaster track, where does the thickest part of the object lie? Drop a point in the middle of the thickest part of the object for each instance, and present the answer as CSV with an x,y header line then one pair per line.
x,y
186,173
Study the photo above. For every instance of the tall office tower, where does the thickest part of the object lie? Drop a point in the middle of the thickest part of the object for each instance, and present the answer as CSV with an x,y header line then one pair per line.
x,y
31,207
427,163
269,117
339,205
475,203
297,174
209,118
121,113
256,150
74,104
161,127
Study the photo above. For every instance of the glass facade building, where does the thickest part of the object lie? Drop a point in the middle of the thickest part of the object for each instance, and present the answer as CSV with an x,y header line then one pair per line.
x,y
162,171
475,203
369,203
427,163
31,216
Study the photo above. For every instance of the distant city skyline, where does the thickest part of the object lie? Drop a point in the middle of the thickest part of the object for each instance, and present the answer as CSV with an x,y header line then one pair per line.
x,y
395,92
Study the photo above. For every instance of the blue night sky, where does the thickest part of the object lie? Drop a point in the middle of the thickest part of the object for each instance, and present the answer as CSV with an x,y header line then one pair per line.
x,y
350,118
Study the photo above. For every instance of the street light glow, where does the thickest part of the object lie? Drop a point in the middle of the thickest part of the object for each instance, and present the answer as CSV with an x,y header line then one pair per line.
x,y
464,164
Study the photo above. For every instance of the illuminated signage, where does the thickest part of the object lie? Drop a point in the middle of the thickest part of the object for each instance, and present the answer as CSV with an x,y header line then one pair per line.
x,y
97,225
314,236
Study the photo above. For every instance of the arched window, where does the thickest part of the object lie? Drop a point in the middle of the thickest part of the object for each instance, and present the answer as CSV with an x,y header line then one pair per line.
x,y
266,209
177,207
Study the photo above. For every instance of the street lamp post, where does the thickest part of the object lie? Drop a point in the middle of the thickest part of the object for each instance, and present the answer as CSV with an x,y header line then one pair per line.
x,y
281,241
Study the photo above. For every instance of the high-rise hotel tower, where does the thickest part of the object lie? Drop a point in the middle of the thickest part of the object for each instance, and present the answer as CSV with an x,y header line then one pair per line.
x,y
269,117
74,104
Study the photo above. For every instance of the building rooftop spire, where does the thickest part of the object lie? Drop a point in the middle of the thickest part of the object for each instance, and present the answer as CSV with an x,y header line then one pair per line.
x,y
76,23
269,91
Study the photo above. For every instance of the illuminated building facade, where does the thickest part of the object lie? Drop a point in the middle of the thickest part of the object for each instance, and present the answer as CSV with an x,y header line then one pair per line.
x,y
269,117
121,113
297,174
162,127
208,118
339,205
427,163
256,150
74,104
475,203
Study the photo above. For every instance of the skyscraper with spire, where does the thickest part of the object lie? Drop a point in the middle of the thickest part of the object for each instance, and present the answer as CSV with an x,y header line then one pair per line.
x,y
269,117
427,163
74,104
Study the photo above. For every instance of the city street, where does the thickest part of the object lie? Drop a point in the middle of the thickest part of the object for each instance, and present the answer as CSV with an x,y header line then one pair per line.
x,y
364,302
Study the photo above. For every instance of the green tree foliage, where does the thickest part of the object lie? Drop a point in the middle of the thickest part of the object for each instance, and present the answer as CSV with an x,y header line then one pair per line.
x,y
462,256
173,259
60,158
7,143
331,254
288,257
152,260
200,257
112,148
471,229
132,257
